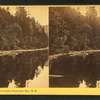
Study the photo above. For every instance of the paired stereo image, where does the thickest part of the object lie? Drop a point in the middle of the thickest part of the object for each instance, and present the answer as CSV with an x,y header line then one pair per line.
x,y
50,47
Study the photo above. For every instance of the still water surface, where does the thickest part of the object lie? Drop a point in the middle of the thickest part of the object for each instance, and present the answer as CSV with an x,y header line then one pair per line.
x,y
27,69
75,71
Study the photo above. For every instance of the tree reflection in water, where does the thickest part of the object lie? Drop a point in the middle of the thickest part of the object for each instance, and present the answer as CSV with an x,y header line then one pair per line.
x,y
20,68
76,70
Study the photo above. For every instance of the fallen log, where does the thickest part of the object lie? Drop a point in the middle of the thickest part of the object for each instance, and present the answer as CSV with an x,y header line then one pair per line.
x,y
82,53
57,55
16,52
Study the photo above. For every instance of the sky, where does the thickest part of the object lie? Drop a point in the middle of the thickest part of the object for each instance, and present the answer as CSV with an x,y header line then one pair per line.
x,y
39,13
84,8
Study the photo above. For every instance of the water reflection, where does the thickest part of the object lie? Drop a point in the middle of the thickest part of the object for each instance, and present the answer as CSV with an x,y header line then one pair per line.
x,y
44,74
83,84
35,82
77,71
15,71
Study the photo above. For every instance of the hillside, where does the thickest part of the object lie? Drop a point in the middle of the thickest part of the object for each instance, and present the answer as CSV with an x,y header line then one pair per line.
x,y
46,29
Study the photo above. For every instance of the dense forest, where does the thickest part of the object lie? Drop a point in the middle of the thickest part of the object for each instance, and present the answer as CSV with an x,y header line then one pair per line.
x,y
20,31
70,30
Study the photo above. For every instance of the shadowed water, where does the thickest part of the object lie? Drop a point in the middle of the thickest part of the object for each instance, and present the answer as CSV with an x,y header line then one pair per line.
x,y
21,68
77,71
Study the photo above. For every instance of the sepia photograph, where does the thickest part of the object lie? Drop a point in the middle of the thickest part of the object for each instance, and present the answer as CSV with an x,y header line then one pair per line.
x,y
74,46
24,41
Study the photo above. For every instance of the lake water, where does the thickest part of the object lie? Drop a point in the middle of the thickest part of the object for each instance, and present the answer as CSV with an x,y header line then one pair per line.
x,y
26,69
77,71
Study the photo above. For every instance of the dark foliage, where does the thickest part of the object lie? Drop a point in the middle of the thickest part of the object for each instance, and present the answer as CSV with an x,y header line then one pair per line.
x,y
70,30
20,31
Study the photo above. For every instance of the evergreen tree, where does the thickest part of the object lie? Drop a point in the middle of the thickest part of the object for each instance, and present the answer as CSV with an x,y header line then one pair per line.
x,y
20,31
